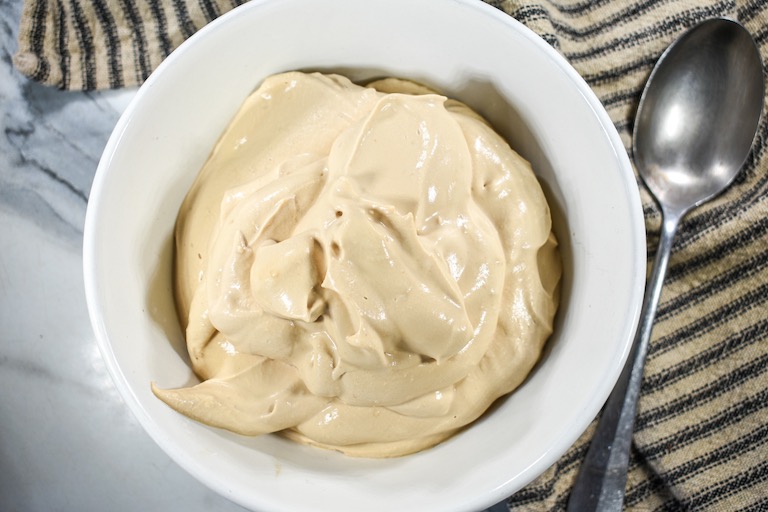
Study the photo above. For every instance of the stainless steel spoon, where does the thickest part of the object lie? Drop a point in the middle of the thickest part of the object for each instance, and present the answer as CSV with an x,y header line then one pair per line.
x,y
695,125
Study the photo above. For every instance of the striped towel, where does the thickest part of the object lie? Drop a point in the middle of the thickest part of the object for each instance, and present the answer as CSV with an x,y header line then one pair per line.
x,y
701,441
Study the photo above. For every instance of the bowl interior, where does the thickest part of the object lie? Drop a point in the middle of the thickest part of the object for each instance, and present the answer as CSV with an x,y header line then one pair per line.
x,y
472,52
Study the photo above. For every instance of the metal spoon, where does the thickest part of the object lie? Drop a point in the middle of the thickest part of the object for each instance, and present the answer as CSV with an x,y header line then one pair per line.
x,y
694,128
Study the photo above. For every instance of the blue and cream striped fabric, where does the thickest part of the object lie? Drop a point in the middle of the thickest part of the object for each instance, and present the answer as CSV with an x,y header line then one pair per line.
x,y
701,441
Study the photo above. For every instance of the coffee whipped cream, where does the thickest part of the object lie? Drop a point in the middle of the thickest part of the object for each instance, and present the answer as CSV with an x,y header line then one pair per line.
x,y
365,269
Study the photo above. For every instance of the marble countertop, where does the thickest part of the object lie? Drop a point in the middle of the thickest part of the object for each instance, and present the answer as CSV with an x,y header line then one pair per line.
x,y
67,440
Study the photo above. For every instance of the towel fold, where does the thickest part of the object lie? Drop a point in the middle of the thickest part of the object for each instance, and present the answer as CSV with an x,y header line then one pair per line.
x,y
105,44
701,440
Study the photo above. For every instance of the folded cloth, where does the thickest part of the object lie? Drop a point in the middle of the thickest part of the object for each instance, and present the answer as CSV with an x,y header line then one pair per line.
x,y
701,440
105,44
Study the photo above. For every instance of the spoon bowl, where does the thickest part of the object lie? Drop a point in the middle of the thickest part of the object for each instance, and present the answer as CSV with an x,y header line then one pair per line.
x,y
697,116
695,125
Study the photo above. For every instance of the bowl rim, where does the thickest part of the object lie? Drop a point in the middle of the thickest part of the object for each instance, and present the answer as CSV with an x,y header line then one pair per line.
x,y
592,406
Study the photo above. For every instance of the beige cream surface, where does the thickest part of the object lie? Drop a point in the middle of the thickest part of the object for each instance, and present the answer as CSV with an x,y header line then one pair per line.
x,y
360,269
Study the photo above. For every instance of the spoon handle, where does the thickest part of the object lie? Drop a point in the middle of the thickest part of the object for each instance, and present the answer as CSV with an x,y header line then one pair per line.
x,y
602,479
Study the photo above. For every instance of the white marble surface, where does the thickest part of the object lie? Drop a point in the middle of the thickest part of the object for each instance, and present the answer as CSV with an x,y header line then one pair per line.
x,y
67,441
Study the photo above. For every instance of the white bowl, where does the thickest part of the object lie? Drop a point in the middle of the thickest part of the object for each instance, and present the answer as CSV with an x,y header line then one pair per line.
x,y
466,49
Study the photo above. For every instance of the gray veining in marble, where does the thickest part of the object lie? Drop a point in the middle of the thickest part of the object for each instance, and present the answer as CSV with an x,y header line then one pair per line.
x,y
67,440
50,145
